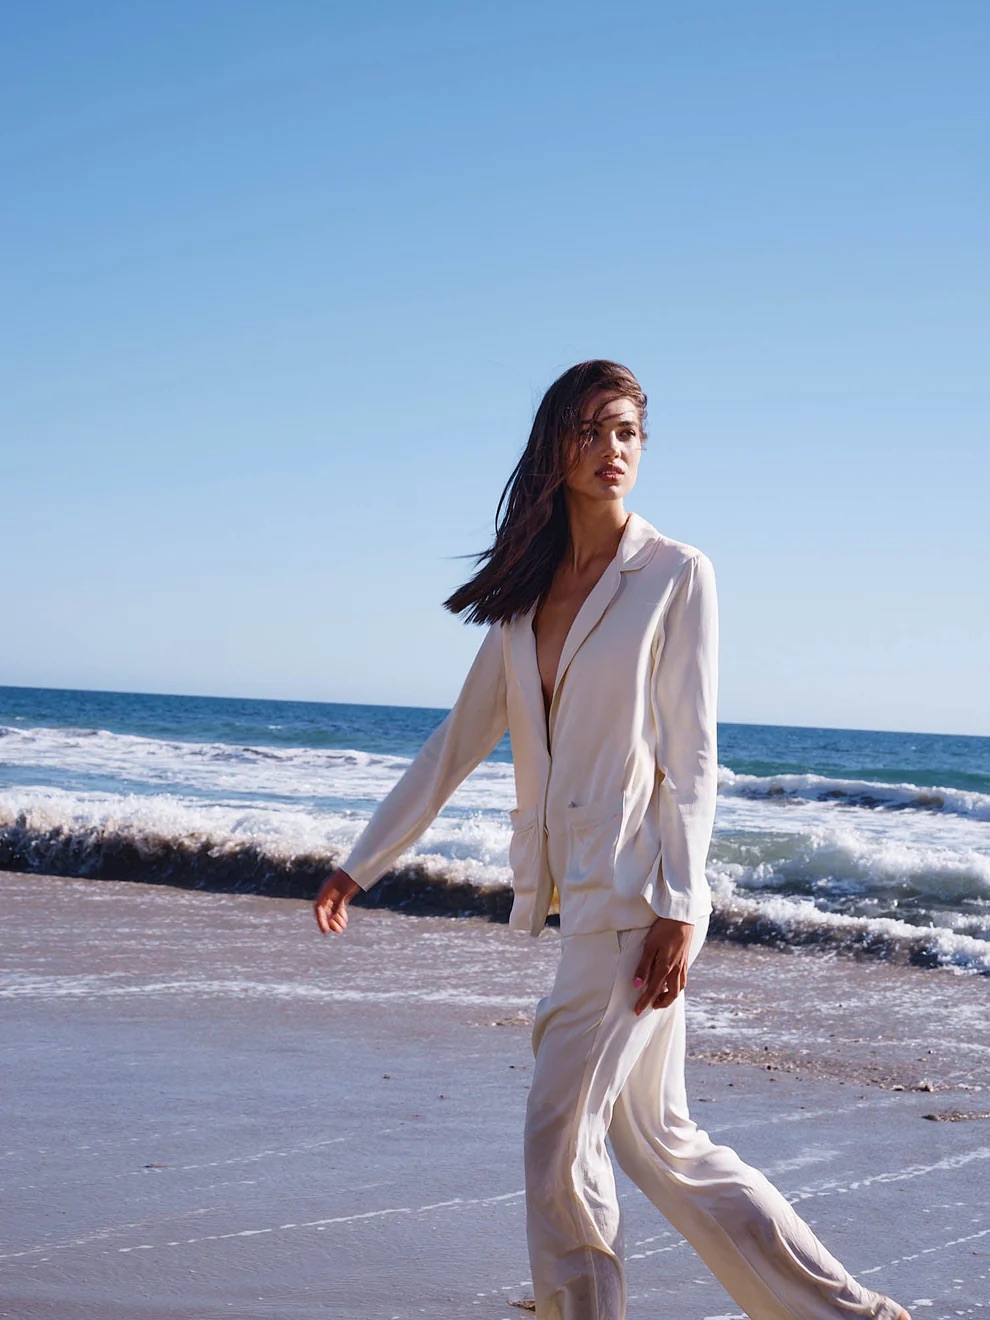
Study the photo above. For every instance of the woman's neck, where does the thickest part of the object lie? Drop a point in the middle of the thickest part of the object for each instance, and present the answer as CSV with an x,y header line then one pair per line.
x,y
595,532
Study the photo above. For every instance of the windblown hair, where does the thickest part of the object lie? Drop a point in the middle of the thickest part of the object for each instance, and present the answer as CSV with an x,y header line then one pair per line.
x,y
531,528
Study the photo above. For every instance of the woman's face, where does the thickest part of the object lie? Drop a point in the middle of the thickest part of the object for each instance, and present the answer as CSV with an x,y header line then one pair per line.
x,y
604,465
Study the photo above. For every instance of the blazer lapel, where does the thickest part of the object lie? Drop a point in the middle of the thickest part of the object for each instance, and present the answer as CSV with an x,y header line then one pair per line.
x,y
595,604
638,542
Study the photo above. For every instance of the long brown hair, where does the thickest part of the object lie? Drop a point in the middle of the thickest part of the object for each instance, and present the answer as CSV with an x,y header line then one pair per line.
x,y
531,529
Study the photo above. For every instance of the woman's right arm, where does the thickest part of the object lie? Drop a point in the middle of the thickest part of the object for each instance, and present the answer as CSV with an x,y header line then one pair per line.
x,y
465,737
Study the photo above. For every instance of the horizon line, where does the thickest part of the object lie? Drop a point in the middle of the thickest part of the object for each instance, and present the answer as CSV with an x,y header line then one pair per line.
x,y
384,705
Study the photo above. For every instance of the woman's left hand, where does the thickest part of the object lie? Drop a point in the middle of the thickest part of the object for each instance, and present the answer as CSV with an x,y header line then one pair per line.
x,y
663,965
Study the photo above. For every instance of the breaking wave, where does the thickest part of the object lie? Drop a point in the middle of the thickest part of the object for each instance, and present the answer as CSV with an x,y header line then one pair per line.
x,y
855,793
827,887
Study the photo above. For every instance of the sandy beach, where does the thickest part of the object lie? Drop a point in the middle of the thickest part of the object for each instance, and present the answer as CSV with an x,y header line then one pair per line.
x,y
209,1111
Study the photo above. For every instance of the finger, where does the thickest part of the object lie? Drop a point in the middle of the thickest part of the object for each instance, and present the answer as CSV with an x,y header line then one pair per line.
x,y
651,989
323,905
321,917
674,985
643,968
646,995
331,914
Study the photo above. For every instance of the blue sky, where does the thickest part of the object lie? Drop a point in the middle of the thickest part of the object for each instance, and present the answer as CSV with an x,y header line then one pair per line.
x,y
288,281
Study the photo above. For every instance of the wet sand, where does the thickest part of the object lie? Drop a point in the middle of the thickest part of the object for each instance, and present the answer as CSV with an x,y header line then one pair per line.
x,y
211,1111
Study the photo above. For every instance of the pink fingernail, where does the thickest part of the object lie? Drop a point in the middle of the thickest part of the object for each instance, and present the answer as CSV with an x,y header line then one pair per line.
x,y
637,981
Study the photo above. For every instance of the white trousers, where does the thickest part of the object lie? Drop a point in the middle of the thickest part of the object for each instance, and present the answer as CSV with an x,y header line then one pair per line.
x,y
602,1070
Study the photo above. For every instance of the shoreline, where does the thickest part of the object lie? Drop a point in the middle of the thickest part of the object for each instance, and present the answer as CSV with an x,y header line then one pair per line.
x,y
214,1111
416,889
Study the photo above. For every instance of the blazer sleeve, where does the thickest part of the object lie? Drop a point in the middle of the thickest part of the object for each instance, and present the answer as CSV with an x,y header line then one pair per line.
x,y
685,695
465,737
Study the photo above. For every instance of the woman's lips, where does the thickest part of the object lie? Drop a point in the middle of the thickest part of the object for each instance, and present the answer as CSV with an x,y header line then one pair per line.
x,y
609,473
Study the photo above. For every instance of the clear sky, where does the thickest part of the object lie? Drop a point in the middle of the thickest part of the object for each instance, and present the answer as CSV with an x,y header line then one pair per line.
x,y
283,283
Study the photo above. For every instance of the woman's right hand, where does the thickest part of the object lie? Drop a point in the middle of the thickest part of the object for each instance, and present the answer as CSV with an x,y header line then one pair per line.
x,y
330,904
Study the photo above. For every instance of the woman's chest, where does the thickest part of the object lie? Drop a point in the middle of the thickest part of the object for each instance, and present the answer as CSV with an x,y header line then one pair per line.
x,y
559,614
584,657
552,623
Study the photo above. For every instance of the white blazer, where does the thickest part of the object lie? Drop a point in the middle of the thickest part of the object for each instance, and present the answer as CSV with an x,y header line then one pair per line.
x,y
616,791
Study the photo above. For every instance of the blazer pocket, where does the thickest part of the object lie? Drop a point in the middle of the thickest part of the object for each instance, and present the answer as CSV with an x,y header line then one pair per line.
x,y
592,842
524,849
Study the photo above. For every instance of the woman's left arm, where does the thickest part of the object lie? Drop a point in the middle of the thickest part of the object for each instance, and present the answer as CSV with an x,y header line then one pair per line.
x,y
685,697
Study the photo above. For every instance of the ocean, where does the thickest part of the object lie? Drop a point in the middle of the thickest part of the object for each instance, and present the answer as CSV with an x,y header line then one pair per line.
x,y
877,844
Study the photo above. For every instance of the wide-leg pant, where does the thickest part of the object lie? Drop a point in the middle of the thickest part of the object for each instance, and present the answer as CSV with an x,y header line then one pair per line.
x,y
601,1071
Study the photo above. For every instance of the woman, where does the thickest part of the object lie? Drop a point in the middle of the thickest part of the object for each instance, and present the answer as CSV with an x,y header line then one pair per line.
x,y
600,658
